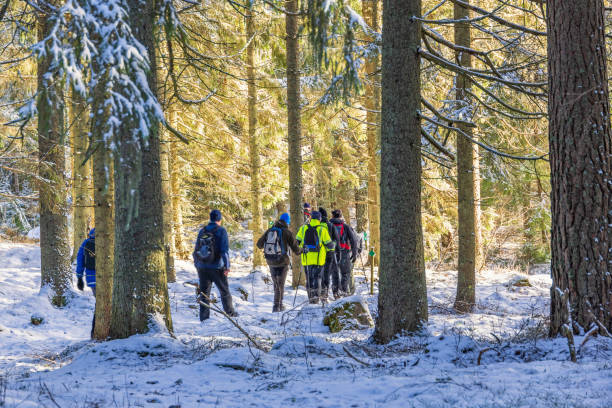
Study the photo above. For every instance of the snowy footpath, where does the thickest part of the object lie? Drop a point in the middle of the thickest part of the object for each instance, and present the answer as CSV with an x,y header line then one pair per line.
x,y
498,356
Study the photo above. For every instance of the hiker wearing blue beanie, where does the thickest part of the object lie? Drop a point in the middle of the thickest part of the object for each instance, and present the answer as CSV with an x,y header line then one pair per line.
x,y
211,259
276,243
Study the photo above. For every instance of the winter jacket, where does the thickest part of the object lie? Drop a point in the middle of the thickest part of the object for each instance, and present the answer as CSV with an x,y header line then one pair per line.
x,y
315,258
222,243
333,234
90,274
351,237
288,241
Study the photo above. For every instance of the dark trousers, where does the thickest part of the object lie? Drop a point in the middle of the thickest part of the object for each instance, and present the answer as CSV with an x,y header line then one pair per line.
x,y
207,278
279,274
314,273
330,272
345,267
93,322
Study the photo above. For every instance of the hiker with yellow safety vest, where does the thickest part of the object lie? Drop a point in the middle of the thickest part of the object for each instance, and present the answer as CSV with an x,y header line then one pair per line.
x,y
314,240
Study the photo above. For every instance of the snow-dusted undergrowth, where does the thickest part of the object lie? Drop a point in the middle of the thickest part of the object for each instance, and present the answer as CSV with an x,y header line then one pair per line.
x,y
55,363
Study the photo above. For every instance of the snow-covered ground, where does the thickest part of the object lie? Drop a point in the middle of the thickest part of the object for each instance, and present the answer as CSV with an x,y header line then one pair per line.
x,y
210,364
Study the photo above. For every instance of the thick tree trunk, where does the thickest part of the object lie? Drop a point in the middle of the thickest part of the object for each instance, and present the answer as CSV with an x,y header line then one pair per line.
x,y
580,151
140,289
166,195
256,223
402,299
294,128
82,180
466,271
104,216
372,104
55,244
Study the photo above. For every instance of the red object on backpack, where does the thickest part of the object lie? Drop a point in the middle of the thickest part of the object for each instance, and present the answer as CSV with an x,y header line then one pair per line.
x,y
343,242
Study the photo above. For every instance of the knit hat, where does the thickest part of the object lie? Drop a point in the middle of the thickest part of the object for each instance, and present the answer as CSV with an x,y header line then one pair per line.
x,y
285,217
215,215
316,215
323,212
337,214
307,206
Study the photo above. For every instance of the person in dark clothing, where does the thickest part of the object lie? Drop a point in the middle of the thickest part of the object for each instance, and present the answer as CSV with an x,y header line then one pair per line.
x,y
330,270
277,242
348,246
211,259
86,262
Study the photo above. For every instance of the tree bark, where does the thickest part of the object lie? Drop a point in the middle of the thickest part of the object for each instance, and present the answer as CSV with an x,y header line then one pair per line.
x,y
140,289
480,261
402,299
104,215
166,195
466,270
361,207
82,179
294,128
55,245
580,151
256,209
372,104
177,168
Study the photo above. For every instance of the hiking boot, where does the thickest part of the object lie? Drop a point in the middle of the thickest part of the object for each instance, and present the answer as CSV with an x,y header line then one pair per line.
x,y
233,314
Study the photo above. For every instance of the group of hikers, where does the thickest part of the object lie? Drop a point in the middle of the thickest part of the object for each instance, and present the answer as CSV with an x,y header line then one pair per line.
x,y
328,249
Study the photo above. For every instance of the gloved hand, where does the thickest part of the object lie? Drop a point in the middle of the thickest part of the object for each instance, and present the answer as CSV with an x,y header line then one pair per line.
x,y
80,284
304,250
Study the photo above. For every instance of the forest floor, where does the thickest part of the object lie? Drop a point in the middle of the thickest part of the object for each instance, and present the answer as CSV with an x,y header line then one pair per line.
x,y
55,364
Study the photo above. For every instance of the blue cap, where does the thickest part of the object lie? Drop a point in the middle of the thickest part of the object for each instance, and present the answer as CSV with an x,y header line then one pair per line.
x,y
215,215
285,217
316,215
92,233
306,205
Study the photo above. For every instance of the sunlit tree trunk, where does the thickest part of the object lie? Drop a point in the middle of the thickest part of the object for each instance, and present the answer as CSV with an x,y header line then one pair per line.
x,y
361,208
466,270
402,299
256,223
478,211
166,189
294,128
580,150
177,168
372,104
140,289
55,244
82,179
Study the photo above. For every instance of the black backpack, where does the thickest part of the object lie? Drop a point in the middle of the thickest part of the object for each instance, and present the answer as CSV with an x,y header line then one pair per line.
x,y
312,242
206,251
343,239
274,248
89,252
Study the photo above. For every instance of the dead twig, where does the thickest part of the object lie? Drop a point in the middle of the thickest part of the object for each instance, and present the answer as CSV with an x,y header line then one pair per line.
x,y
348,353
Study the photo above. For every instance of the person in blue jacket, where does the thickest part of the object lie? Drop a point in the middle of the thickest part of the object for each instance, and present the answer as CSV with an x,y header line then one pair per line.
x,y
86,261
215,267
